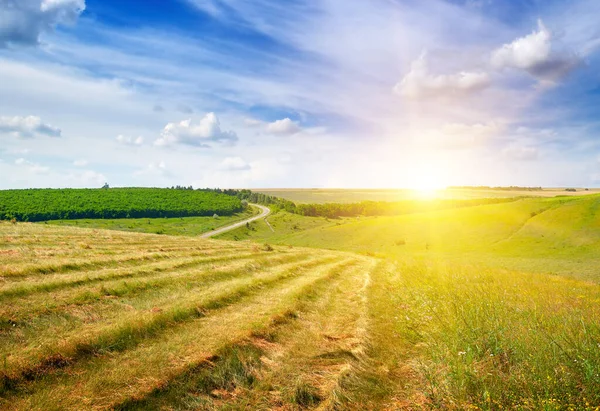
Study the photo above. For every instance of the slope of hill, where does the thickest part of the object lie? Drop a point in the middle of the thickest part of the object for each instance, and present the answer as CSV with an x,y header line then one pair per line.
x,y
550,235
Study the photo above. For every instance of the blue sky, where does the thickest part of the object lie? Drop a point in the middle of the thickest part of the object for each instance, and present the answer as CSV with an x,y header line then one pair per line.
x,y
320,93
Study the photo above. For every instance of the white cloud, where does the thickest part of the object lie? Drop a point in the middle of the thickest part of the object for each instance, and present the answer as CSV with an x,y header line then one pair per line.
x,y
156,169
533,54
87,178
459,135
524,153
206,131
234,164
32,167
80,163
252,122
419,82
23,21
27,127
130,141
283,127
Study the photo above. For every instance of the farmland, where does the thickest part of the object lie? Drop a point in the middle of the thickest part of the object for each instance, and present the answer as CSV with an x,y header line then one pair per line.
x,y
49,204
102,319
488,306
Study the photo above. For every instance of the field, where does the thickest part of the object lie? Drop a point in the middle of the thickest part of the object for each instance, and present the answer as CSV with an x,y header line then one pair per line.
x,y
188,226
100,319
493,306
69,204
326,195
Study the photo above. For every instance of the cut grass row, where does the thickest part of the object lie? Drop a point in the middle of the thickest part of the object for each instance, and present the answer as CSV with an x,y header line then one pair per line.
x,y
138,370
297,360
119,332
187,299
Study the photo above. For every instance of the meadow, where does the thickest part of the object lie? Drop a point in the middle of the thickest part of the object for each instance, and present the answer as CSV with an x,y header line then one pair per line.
x,y
188,226
489,306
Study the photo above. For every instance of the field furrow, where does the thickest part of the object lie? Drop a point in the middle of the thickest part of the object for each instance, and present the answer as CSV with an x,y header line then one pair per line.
x,y
151,363
118,326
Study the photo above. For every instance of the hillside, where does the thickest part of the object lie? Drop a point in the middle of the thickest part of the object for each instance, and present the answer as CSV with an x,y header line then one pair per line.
x,y
551,235
68,204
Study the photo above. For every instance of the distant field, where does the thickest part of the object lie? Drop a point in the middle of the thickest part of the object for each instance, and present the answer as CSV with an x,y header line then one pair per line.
x,y
188,226
319,196
69,204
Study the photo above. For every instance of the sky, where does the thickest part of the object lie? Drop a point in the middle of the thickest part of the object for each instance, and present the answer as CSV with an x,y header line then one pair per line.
x,y
299,93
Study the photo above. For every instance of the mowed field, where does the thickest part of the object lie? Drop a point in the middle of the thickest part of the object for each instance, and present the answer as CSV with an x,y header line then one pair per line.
x,y
108,320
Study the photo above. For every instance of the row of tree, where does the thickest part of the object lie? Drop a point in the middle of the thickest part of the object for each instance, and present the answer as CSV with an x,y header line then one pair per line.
x,y
363,208
62,204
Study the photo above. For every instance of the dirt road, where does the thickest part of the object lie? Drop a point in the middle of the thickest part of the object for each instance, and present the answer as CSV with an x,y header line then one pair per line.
x,y
265,211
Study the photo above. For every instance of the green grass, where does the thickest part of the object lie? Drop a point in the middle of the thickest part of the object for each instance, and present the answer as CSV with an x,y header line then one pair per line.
x,y
550,235
188,226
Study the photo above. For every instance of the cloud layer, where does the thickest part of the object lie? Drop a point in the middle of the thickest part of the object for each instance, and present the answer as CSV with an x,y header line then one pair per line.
x,y
23,21
27,127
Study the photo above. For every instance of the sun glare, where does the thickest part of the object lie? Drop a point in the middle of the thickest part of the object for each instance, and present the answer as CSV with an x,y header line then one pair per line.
x,y
427,183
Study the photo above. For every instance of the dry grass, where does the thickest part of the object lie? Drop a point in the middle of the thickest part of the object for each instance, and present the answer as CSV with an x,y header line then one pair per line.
x,y
99,325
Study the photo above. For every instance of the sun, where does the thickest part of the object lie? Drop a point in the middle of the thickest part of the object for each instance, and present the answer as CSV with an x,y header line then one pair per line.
x,y
427,185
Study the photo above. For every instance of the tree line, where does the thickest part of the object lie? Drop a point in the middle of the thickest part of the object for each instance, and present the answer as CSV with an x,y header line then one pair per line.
x,y
63,204
363,208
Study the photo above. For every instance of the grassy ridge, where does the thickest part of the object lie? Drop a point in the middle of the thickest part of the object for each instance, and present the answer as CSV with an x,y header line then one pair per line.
x,y
63,204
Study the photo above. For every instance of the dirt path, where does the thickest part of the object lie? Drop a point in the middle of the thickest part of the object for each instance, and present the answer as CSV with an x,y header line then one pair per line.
x,y
265,211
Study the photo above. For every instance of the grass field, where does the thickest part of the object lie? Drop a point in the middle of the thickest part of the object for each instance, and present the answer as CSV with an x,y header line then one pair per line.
x,y
100,319
327,195
486,307
188,226
550,235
